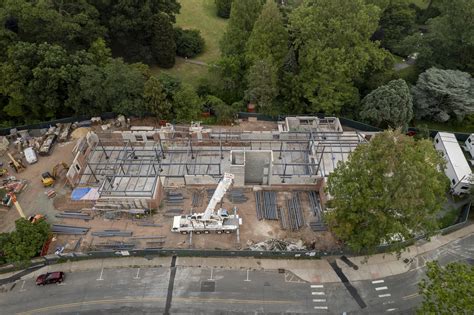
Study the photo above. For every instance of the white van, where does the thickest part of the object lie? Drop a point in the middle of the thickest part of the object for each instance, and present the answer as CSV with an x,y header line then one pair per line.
x,y
30,155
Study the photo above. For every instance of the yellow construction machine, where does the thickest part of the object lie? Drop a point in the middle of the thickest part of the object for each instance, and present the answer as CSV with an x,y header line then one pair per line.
x,y
17,164
48,179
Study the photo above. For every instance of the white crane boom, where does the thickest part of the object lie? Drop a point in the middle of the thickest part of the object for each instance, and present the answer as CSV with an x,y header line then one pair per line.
x,y
219,193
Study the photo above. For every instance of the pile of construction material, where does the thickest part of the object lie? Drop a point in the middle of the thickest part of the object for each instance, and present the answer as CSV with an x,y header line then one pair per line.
x,y
74,215
318,226
173,198
266,204
197,199
210,192
278,245
291,217
112,233
237,196
315,204
295,213
69,229
16,186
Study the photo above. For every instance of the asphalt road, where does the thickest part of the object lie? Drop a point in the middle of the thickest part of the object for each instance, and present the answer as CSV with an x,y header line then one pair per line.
x,y
220,291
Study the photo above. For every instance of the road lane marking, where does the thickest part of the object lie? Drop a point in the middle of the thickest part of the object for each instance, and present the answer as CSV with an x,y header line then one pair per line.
x,y
101,273
385,295
155,299
316,286
319,300
381,288
212,269
22,286
391,309
317,293
247,276
377,281
411,296
388,302
137,277
320,307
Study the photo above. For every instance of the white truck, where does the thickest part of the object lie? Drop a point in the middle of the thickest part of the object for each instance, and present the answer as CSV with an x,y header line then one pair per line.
x,y
30,155
220,222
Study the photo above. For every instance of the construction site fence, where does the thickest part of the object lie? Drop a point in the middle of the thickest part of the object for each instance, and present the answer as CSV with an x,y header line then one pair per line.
x,y
242,115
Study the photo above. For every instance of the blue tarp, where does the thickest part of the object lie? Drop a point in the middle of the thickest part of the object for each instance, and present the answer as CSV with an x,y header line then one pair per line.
x,y
80,192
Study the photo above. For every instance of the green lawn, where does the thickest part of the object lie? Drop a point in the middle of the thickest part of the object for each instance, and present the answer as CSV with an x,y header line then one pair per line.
x,y
201,15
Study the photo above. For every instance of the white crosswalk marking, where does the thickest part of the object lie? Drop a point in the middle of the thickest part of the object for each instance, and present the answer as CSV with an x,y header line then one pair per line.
x,y
319,300
385,295
381,288
320,307
377,281
317,293
315,286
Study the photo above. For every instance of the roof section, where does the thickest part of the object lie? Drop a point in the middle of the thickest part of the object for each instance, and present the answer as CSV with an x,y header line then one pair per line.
x,y
455,155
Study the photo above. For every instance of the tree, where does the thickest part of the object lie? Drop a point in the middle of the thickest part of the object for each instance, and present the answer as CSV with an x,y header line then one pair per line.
x,y
224,113
243,15
397,22
449,43
25,242
388,190
448,289
187,104
155,98
262,85
390,105
163,44
441,95
189,43
269,37
334,50
223,8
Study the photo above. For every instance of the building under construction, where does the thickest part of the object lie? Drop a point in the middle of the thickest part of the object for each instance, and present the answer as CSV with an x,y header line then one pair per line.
x,y
135,166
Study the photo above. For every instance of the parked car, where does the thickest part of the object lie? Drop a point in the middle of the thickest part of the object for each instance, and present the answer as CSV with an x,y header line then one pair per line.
x,y
50,277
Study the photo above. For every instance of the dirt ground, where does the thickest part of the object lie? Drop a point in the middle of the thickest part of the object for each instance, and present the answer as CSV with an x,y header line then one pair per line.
x,y
33,199
251,231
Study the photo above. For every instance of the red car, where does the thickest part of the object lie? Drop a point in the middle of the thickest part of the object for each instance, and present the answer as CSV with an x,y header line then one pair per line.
x,y
50,277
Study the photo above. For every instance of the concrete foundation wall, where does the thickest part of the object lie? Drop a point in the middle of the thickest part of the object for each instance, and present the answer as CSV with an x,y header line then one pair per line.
x,y
200,180
258,164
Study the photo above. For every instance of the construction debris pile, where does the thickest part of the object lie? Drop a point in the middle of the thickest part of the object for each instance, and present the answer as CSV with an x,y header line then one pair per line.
x,y
69,229
266,203
10,186
278,245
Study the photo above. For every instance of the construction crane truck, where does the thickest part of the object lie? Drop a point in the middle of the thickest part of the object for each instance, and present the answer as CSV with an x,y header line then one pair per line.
x,y
210,221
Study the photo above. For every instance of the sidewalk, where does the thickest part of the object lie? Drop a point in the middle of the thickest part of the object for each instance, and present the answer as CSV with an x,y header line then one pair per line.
x,y
384,265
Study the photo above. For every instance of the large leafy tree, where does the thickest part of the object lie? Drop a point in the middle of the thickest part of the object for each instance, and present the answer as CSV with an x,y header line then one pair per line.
x,y
449,43
243,15
448,289
156,101
133,28
334,49
269,37
36,77
187,104
443,94
25,242
389,189
390,105
397,22
262,85
163,43
73,24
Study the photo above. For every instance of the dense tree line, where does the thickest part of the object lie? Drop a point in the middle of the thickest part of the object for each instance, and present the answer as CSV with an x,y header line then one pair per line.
x,y
60,58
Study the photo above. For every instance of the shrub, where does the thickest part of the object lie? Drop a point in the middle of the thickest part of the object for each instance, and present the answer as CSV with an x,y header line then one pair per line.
x,y
223,8
189,43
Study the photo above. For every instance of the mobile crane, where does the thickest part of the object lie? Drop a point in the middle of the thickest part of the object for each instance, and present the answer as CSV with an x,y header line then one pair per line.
x,y
220,222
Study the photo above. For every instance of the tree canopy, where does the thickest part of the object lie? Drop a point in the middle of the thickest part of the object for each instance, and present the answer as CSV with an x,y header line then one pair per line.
x,y
334,49
388,190
25,242
448,289
390,105
441,95
187,104
223,8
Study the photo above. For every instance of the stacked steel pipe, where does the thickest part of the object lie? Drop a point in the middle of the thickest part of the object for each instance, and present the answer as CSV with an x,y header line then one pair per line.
x,y
295,214
237,196
266,202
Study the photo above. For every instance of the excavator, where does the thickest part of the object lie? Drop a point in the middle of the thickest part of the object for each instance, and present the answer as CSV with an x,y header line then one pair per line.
x,y
209,220
48,179
17,164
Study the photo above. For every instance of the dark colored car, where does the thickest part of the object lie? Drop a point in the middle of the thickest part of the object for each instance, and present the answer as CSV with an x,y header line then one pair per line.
x,y
50,277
